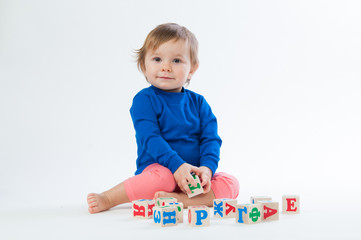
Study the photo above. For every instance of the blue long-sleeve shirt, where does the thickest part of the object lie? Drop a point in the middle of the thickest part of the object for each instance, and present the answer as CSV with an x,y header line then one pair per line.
x,y
174,128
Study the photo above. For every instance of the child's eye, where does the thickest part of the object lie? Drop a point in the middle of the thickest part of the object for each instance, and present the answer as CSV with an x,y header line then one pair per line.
x,y
177,60
157,59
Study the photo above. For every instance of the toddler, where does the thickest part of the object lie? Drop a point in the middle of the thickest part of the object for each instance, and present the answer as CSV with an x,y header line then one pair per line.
x,y
176,131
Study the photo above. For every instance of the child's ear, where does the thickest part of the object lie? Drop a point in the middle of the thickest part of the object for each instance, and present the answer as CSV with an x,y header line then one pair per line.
x,y
192,71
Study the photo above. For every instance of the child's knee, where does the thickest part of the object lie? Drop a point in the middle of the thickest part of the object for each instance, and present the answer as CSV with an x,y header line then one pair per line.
x,y
225,185
162,179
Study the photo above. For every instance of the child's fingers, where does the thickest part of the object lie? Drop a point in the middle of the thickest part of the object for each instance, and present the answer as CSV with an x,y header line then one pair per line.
x,y
184,185
195,170
205,179
191,181
206,188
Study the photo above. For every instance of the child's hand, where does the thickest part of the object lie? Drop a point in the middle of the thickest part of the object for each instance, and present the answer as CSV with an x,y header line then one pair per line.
x,y
205,174
183,177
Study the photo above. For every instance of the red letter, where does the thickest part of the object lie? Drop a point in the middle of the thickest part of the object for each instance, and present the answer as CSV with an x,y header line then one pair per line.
x,y
138,210
268,212
150,209
229,209
291,205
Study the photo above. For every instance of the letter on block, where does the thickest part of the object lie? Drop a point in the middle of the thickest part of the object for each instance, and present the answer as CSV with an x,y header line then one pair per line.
x,y
143,208
165,216
165,201
225,208
195,190
291,204
249,213
198,216
270,210
255,199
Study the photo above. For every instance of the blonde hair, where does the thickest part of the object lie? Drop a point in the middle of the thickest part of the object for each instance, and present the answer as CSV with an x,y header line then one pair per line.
x,y
163,33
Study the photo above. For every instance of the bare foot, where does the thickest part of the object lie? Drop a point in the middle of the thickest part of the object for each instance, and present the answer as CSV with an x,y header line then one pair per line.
x,y
98,202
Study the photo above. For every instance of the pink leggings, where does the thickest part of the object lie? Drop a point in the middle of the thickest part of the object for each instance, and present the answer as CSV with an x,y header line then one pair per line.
x,y
156,178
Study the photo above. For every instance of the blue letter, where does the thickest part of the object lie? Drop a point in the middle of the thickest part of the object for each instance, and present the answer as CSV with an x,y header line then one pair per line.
x,y
240,215
156,216
169,217
218,208
201,214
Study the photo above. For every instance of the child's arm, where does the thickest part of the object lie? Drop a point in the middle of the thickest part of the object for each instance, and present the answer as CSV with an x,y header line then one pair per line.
x,y
148,134
210,142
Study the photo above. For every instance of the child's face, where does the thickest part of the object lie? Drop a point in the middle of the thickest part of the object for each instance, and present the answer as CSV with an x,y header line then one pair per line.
x,y
169,66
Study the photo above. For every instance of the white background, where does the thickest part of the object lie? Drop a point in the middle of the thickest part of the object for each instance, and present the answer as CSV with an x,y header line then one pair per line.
x,y
282,77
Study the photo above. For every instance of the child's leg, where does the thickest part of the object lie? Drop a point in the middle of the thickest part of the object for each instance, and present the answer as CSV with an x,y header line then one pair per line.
x,y
223,185
108,199
143,186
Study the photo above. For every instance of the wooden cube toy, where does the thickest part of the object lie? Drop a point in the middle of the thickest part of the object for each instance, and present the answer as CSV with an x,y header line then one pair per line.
x,y
165,216
249,213
198,216
224,208
270,210
255,199
179,208
165,201
291,204
196,190
143,208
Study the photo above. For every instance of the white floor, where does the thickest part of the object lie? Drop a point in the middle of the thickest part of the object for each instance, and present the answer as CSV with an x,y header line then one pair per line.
x,y
74,222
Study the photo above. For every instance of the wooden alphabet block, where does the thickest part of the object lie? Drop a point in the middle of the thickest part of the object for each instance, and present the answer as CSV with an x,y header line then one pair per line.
x,y
165,201
249,213
195,190
255,199
224,208
198,216
179,208
270,210
165,216
143,208
291,204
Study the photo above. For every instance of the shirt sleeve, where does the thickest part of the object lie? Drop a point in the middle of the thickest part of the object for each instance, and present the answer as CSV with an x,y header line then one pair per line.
x,y
210,142
148,134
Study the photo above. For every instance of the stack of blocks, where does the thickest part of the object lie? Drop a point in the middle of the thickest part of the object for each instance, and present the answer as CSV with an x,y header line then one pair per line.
x,y
260,209
168,212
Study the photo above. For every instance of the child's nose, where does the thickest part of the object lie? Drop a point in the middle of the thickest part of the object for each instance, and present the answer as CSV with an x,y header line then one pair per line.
x,y
166,67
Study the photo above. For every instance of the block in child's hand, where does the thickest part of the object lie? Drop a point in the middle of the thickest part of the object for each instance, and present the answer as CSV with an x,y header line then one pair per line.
x,y
165,216
224,208
249,213
255,199
143,208
165,201
198,216
291,204
196,190
270,210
